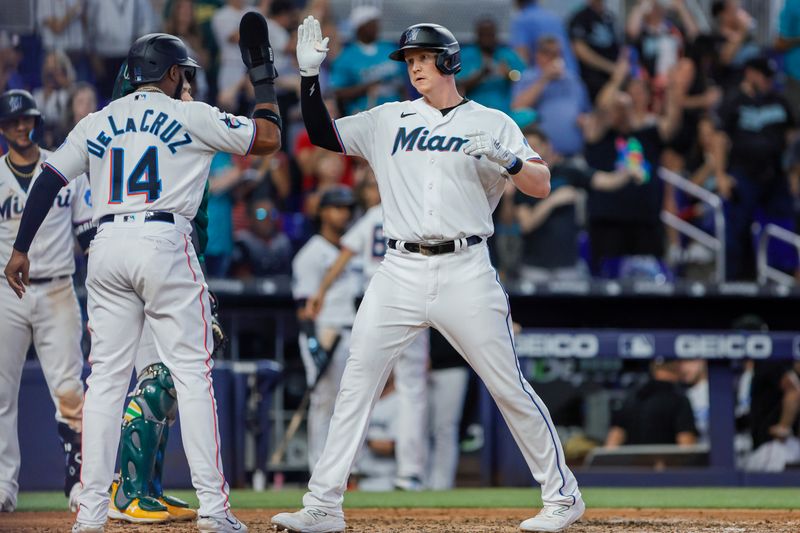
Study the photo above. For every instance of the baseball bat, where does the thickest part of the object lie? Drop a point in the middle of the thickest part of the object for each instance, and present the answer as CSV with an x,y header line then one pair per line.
x,y
294,425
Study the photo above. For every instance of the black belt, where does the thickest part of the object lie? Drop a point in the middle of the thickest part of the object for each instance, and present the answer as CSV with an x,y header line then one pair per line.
x,y
149,216
39,281
434,249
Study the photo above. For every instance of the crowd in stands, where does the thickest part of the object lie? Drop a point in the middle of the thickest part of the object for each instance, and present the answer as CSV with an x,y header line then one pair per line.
x,y
606,101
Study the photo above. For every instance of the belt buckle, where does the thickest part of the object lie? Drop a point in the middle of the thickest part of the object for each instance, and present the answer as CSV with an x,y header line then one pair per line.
x,y
425,250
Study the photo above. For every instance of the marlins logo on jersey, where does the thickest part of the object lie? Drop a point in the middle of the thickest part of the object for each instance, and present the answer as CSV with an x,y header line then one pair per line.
x,y
51,253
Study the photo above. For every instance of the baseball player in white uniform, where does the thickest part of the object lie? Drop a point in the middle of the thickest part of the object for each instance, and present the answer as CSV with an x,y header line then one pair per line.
x,y
49,314
365,241
148,156
331,328
442,163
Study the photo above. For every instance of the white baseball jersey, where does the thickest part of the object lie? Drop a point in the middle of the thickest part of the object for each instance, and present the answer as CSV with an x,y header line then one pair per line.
x,y
308,269
430,189
365,239
160,171
51,252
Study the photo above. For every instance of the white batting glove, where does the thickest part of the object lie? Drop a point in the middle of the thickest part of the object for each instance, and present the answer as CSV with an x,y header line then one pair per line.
x,y
482,143
311,47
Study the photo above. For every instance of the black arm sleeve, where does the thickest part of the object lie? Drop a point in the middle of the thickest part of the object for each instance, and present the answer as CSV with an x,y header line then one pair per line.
x,y
315,115
40,200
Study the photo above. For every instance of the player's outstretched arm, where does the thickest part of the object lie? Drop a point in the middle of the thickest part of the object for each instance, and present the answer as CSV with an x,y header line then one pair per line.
x,y
258,58
530,177
314,304
311,52
43,193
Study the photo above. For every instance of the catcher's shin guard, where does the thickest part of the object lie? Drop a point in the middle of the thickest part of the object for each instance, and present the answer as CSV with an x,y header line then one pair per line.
x,y
152,405
177,508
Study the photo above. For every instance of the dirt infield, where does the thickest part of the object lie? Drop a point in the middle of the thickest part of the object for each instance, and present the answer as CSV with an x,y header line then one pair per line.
x,y
471,521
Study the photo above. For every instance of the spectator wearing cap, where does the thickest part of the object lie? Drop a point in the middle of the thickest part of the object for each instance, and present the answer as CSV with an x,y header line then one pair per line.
x,y
595,42
262,249
749,170
656,413
556,93
363,76
112,26
788,42
489,68
530,24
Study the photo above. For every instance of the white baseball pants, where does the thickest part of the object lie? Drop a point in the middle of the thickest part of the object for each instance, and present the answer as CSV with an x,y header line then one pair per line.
x,y
323,397
448,389
411,384
148,271
49,316
460,295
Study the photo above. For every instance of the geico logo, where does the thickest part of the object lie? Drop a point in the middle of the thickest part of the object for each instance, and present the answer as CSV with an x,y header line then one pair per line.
x,y
557,345
733,346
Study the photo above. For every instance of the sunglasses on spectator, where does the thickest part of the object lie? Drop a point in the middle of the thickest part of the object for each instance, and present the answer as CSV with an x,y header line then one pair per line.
x,y
263,214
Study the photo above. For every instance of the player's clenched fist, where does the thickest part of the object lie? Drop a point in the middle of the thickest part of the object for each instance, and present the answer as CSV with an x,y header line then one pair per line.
x,y
17,272
482,143
311,47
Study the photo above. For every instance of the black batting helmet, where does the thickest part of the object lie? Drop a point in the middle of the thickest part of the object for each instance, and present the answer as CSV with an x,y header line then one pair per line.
x,y
339,196
152,55
18,103
431,37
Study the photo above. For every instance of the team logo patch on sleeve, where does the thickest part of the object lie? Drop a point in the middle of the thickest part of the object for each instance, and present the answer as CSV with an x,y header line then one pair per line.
x,y
231,121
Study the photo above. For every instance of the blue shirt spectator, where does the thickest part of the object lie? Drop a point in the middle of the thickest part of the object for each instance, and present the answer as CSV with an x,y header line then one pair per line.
x,y
558,96
488,69
223,176
363,76
532,23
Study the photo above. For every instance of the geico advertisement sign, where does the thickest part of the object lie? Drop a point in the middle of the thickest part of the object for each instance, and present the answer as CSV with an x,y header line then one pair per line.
x,y
557,345
733,346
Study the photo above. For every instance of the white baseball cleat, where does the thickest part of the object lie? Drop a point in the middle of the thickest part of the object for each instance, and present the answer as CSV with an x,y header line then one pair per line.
x,y
77,527
308,520
220,524
74,492
408,484
6,503
555,517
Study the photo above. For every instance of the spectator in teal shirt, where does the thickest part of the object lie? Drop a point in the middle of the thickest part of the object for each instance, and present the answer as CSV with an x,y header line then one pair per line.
x,y
789,42
223,176
488,68
363,76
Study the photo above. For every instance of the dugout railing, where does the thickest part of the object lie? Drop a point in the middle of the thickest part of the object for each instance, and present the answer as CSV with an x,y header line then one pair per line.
x,y
260,320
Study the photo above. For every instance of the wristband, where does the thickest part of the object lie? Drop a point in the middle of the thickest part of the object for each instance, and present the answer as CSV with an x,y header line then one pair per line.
x,y
515,167
270,115
265,93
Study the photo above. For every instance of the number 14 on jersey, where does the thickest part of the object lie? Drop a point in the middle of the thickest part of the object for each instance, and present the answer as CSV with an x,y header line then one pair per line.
x,y
143,179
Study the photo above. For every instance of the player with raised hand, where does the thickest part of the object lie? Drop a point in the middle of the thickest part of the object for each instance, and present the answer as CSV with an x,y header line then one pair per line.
x,y
148,156
138,495
442,163
49,315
